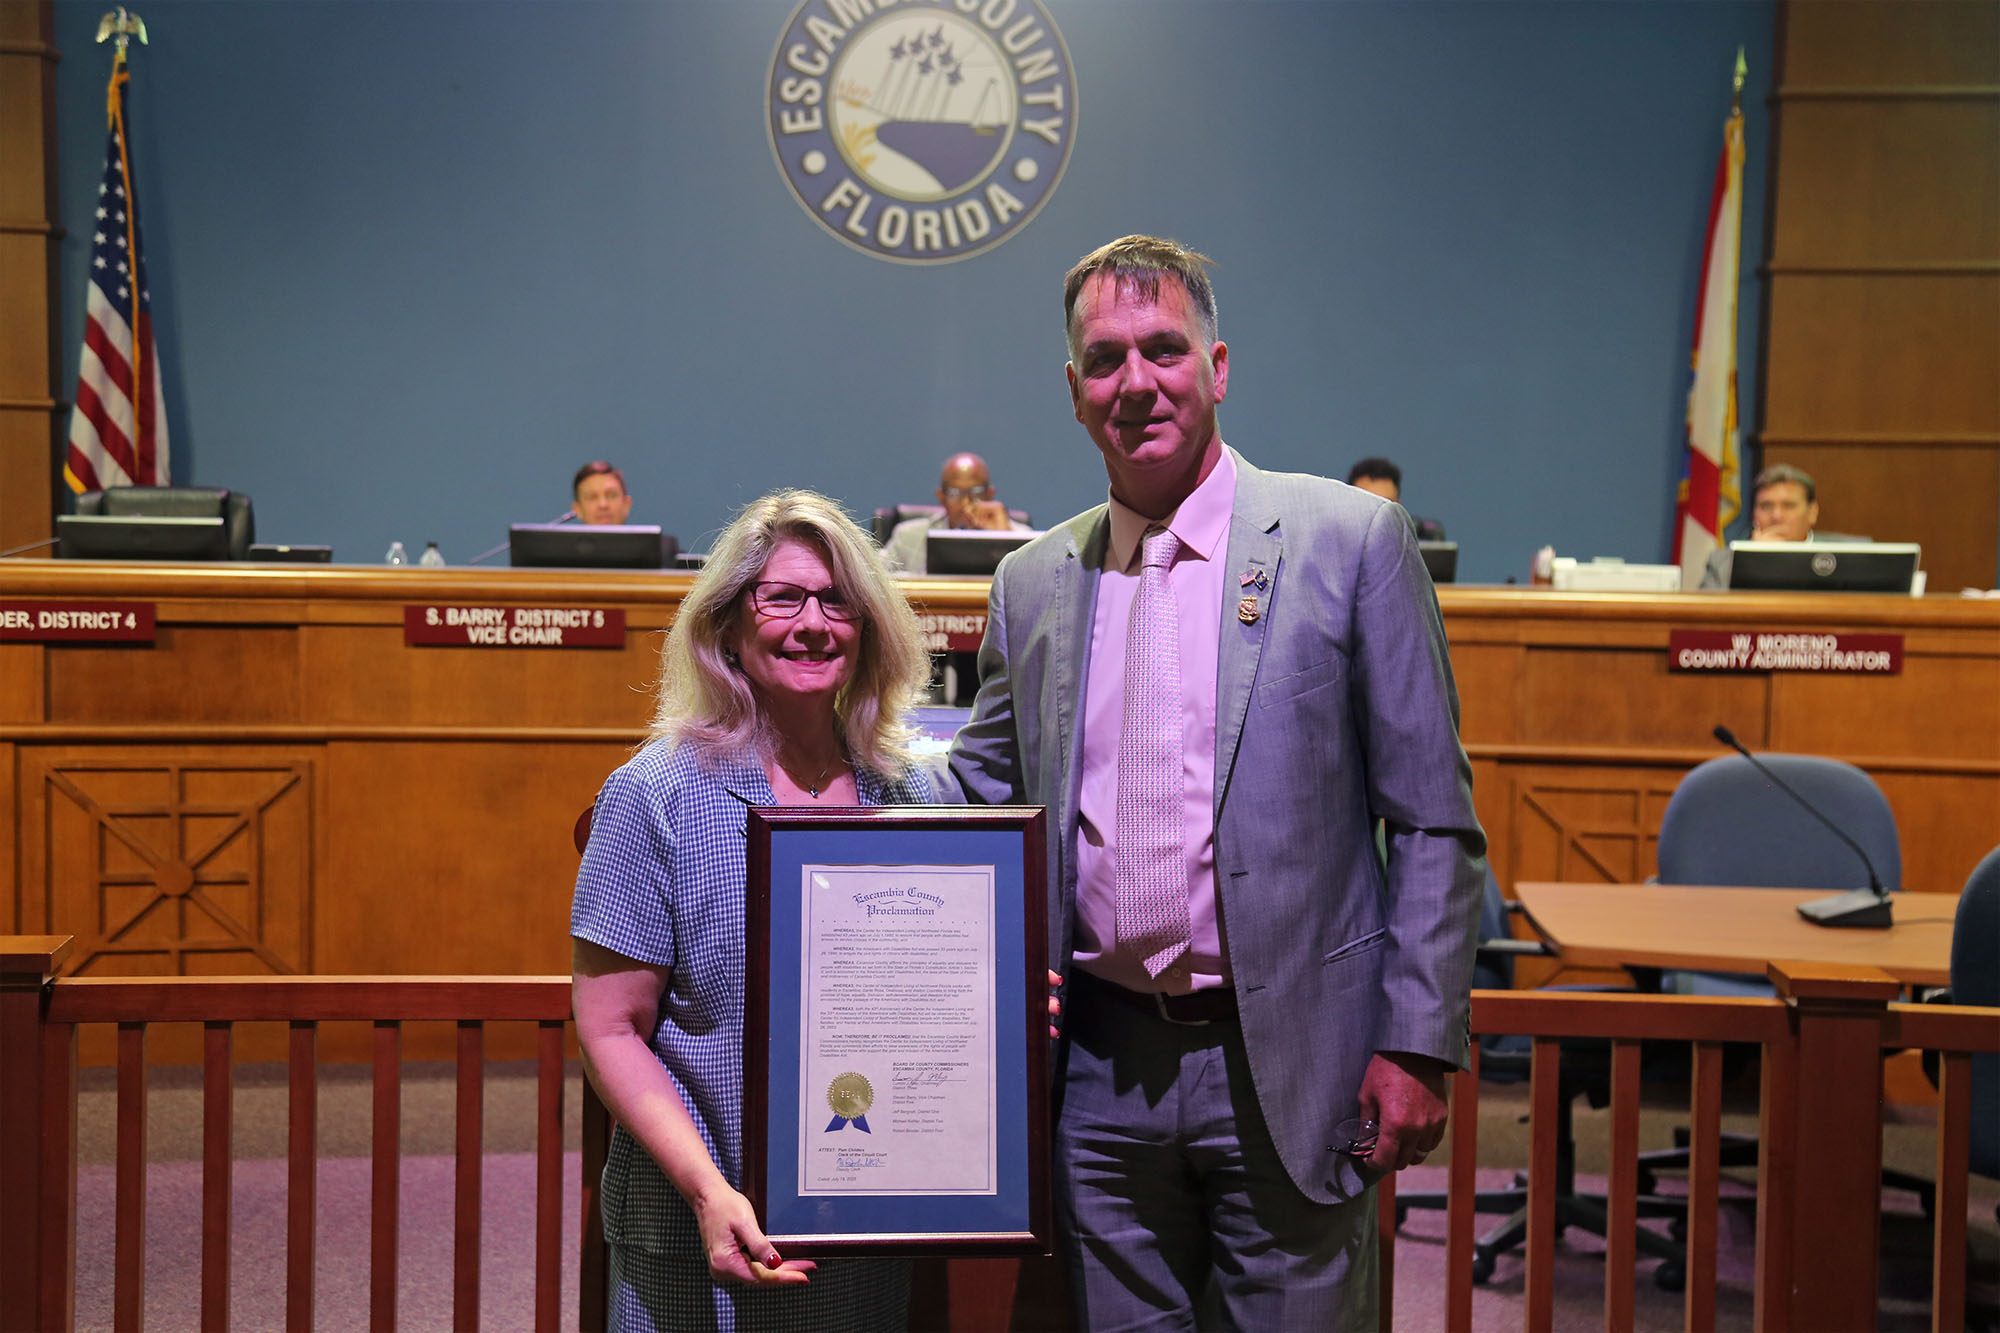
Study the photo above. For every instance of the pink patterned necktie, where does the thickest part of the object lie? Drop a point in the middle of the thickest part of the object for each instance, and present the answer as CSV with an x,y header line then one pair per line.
x,y
1152,881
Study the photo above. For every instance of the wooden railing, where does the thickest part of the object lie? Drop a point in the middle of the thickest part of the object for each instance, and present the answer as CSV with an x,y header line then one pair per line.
x,y
38,1139
1817,1260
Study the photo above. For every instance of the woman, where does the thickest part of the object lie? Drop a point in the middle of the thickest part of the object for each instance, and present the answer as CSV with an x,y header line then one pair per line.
x,y
784,682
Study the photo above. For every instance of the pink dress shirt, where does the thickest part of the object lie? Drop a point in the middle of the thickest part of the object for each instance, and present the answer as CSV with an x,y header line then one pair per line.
x,y
1200,583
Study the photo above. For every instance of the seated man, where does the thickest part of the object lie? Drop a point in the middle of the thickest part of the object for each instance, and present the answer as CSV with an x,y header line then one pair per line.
x,y
598,494
1379,476
966,491
1784,506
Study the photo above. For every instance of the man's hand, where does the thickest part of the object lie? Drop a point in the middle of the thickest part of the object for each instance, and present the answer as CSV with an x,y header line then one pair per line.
x,y
1404,1095
991,515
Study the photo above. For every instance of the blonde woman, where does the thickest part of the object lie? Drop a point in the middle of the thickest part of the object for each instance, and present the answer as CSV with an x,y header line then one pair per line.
x,y
784,682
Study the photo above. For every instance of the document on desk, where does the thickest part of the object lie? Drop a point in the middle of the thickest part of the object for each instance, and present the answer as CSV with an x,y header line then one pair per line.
x,y
898,1092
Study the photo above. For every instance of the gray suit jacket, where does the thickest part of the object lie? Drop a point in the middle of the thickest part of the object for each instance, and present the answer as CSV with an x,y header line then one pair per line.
x,y
1334,708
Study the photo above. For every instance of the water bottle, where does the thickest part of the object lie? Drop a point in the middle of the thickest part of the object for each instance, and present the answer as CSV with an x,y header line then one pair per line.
x,y
397,555
432,558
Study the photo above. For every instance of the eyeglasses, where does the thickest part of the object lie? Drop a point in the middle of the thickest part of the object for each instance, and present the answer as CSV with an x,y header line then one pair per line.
x,y
968,492
784,601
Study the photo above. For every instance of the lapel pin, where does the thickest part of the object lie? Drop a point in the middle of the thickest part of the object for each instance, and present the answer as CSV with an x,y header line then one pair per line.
x,y
1262,580
1246,610
1247,577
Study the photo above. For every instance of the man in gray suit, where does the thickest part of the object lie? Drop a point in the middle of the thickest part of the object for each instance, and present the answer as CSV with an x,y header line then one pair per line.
x,y
1222,685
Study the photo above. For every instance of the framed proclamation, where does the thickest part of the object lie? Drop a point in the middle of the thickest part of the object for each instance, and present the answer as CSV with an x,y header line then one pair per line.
x,y
895,1029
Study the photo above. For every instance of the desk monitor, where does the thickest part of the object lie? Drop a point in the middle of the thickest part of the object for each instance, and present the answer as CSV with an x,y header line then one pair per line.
x,y
936,724
970,551
1823,566
582,546
136,537
1441,559
298,555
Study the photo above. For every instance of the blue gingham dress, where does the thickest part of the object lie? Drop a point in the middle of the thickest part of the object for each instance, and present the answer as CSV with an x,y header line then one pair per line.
x,y
662,881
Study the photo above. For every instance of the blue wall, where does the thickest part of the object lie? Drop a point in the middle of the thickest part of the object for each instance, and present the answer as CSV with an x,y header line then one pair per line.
x,y
413,262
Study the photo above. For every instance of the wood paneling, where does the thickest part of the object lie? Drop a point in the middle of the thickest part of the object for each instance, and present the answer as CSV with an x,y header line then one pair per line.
x,y
28,270
1882,328
177,862
1884,354
1867,43
1868,181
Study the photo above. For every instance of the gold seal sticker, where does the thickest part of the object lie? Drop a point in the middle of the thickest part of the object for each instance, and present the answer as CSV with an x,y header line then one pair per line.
x,y
850,1095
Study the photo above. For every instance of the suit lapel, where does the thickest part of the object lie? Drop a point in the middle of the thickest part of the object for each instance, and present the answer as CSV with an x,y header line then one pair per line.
x,y
1075,607
1256,545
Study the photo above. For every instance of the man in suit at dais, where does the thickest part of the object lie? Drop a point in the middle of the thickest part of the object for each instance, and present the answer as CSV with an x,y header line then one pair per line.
x,y
1221,684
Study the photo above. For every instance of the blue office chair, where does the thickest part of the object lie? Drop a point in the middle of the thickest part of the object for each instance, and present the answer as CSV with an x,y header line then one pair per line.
x,y
1727,824
1975,979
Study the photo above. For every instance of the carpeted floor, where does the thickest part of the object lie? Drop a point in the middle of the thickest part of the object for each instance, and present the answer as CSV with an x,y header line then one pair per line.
x,y
257,1252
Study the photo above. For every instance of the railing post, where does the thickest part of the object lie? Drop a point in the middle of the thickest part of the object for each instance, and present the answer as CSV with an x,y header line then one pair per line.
x,y
1830,1152
27,963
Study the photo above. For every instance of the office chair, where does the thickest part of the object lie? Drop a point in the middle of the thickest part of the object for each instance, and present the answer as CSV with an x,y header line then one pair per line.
x,y
1726,824
1505,1058
233,507
1975,979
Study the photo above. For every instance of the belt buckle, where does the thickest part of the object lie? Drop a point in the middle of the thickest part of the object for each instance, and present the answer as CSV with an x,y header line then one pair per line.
x,y
1160,1003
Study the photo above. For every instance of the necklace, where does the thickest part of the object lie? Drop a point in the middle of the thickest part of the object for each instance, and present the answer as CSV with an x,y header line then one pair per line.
x,y
813,788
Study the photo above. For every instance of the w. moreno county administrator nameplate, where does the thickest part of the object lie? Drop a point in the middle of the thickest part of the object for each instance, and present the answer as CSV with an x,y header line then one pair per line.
x,y
895,1029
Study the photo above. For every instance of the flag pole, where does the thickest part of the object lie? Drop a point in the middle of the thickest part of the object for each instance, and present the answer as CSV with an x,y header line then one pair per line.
x,y
121,25
1735,89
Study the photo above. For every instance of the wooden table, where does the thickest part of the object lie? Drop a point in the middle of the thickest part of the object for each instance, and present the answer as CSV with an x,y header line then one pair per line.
x,y
1731,930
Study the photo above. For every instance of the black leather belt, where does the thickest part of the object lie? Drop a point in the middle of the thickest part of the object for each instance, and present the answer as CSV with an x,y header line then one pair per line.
x,y
1195,1009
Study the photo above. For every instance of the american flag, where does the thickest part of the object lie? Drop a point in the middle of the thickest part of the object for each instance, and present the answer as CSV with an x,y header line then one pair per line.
x,y
115,437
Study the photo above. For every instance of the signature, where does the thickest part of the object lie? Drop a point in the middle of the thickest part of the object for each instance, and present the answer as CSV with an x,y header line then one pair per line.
x,y
919,1078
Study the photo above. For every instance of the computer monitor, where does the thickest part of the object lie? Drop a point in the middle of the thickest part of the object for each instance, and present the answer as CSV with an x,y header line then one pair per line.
x,y
936,725
293,554
587,546
140,537
1441,559
970,551
1823,566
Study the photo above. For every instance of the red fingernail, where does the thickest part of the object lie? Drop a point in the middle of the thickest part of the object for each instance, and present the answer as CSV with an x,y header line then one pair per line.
x,y
773,1261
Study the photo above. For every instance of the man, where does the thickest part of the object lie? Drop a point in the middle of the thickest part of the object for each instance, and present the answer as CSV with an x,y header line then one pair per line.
x,y
1219,684
1784,507
965,489
1379,476
598,494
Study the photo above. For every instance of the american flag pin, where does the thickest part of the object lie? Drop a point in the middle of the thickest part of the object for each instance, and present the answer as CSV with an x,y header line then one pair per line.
x,y
1250,576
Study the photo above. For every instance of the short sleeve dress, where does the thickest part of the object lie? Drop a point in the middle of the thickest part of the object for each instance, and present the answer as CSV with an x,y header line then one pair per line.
x,y
662,881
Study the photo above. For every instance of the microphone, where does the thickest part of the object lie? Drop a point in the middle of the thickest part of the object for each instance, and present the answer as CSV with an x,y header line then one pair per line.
x,y
1867,908
31,546
566,516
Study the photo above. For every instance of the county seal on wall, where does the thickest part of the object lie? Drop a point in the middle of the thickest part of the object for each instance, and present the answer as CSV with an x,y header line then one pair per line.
x,y
922,131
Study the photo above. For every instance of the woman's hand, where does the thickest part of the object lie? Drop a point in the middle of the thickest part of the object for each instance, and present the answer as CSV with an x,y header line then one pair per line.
x,y
735,1244
1055,1002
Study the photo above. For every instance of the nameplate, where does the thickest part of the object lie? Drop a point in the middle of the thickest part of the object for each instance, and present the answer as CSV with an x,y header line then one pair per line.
x,y
952,631
1784,650
442,626
76,622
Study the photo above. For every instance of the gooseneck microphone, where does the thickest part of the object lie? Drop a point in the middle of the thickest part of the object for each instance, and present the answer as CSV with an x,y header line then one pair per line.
x,y
1867,908
566,516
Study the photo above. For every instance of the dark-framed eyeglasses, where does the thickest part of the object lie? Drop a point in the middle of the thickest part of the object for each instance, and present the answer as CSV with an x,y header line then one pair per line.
x,y
784,601
968,492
